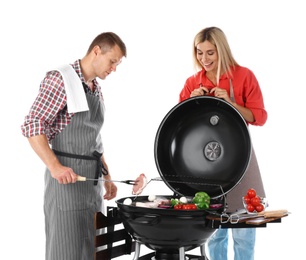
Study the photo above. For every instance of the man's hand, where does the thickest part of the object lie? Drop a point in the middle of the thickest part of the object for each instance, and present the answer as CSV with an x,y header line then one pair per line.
x,y
64,175
110,190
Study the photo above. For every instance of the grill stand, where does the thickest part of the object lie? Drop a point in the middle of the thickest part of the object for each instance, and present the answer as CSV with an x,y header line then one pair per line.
x,y
164,256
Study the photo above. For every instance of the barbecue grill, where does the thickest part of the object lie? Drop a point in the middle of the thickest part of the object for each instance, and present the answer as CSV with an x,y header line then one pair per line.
x,y
202,144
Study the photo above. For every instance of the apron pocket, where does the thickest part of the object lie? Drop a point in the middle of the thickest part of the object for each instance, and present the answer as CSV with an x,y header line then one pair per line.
x,y
76,196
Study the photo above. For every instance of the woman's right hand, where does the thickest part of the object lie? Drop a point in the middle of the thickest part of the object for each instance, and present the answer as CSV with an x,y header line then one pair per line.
x,y
201,91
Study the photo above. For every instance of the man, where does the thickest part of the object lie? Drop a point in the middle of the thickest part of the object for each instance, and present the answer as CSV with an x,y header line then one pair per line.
x,y
63,128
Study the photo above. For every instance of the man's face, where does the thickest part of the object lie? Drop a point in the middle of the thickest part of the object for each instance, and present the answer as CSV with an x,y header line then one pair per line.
x,y
107,62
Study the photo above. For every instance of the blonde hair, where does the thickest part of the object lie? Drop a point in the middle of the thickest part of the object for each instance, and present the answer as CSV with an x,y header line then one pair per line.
x,y
225,58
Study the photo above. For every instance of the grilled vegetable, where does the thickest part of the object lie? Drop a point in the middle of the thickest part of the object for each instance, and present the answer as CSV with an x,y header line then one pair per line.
x,y
174,202
202,200
189,206
183,200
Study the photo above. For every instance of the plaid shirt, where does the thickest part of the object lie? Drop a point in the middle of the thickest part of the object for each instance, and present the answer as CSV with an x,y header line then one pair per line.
x,y
48,115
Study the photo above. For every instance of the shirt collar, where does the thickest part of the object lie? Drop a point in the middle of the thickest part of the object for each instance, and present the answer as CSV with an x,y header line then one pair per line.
x,y
76,65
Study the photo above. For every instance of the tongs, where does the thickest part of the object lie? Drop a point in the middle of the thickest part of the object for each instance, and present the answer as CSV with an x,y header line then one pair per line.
x,y
129,182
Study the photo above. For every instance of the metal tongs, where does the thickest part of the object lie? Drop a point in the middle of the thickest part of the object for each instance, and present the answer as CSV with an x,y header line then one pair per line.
x,y
234,217
129,182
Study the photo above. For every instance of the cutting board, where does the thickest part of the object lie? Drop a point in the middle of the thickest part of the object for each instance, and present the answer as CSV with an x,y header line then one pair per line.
x,y
262,220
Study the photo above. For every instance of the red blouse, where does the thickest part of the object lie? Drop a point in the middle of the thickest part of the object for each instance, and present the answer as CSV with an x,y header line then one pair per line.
x,y
247,91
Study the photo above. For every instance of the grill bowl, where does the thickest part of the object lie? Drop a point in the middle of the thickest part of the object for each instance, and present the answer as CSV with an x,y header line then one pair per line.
x,y
165,229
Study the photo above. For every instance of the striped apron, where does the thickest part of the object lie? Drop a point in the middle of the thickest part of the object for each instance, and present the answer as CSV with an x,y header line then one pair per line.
x,y
251,179
69,209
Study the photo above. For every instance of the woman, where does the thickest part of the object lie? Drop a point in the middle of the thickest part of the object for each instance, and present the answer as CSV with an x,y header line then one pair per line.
x,y
218,74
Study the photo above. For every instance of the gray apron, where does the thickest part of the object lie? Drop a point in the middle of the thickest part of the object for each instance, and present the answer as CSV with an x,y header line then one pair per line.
x,y
69,209
252,179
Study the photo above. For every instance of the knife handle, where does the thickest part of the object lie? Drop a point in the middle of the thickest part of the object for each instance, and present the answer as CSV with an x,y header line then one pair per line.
x,y
273,213
81,178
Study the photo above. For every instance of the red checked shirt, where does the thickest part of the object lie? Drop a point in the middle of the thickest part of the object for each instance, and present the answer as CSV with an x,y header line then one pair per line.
x,y
48,115
247,91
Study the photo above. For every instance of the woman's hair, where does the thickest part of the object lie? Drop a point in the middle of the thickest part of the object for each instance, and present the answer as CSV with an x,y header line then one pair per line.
x,y
216,37
106,41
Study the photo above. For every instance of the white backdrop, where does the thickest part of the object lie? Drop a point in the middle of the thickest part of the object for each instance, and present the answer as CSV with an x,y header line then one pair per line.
x,y
39,35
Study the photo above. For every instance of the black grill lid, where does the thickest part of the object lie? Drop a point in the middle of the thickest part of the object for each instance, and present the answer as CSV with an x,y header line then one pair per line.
x,y
202,144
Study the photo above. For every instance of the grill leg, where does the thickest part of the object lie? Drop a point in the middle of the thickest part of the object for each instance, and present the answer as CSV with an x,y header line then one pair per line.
x,y
182,253
137,251
202,248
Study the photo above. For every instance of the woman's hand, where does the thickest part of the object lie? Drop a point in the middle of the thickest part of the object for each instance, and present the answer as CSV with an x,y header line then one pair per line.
x,y
216,91
221,93
201,91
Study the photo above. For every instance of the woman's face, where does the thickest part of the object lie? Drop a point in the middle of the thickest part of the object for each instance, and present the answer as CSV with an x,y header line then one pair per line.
x,y
207,55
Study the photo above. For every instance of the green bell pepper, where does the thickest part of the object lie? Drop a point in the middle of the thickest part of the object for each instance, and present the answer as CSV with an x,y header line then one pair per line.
x,y
202,200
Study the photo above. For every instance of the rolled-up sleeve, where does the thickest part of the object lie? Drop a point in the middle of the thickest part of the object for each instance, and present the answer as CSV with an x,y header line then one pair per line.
x,y
254,100
45,115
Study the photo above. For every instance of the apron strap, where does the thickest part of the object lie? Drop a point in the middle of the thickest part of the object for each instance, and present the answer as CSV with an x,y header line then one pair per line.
x,y
96,157
232,97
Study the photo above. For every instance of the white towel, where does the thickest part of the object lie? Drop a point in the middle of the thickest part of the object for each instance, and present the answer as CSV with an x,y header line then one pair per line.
x,y
76,97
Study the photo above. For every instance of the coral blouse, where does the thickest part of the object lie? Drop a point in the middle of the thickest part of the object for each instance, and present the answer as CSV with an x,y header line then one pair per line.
x,y
247,92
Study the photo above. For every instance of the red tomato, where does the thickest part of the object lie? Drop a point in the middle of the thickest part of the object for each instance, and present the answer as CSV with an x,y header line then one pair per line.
x,y
193,206
250,208
259,208
177,206
251,193
255,201
185,206
247,199
189,207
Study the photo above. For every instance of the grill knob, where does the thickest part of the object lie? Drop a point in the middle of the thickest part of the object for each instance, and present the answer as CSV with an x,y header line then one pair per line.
x,y
214,120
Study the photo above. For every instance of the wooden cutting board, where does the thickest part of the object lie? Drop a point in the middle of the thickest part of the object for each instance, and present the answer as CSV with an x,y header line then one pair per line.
x,y
262,220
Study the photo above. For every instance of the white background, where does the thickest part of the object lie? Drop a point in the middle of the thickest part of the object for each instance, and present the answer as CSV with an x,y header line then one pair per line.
x,y
268,38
